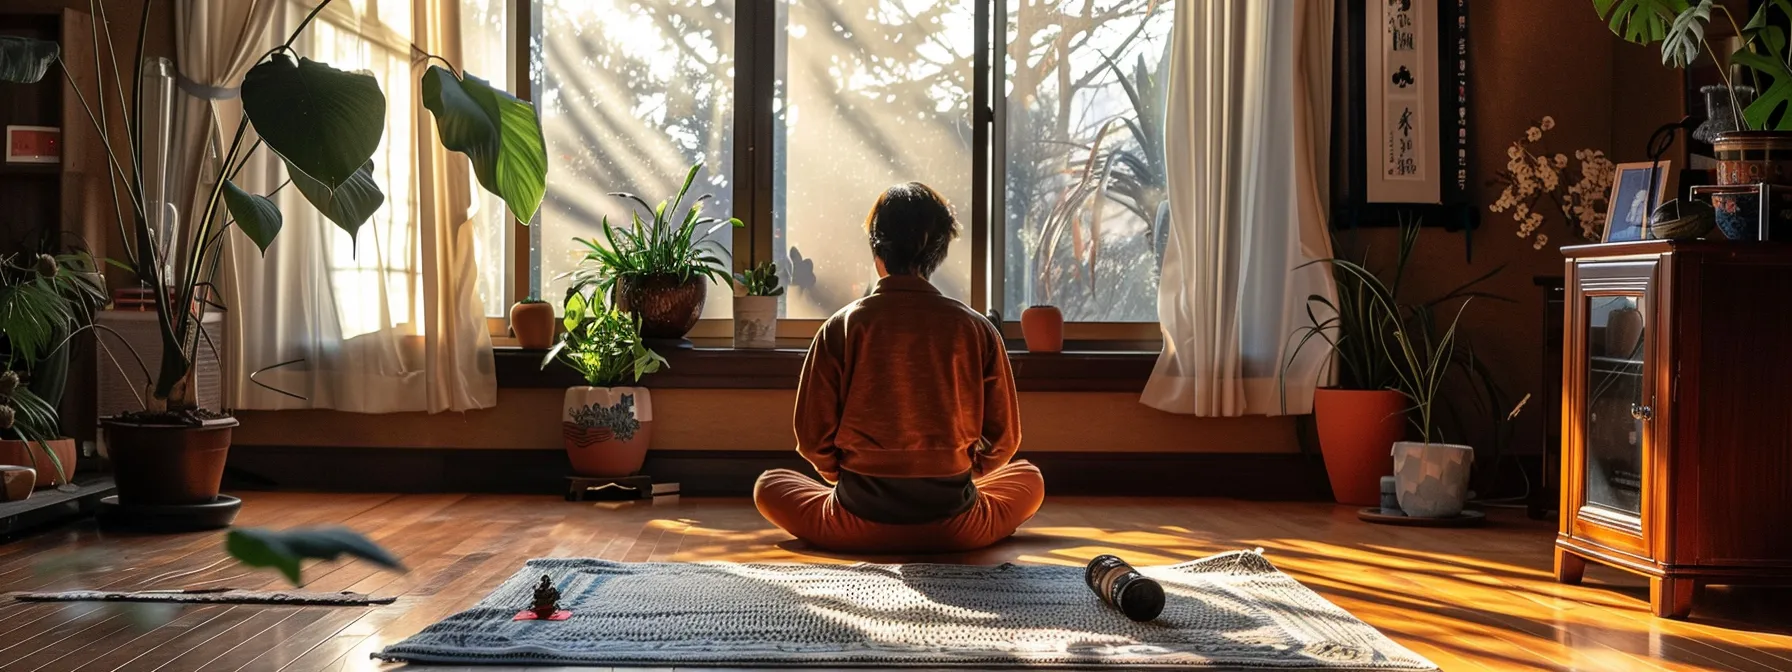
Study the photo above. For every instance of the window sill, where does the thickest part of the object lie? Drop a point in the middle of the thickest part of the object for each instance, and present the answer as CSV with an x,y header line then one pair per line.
x,y
1089,367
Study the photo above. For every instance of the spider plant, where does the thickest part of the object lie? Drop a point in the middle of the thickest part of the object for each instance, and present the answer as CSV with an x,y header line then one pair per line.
x,y
602,343
324,123
675,243
761,280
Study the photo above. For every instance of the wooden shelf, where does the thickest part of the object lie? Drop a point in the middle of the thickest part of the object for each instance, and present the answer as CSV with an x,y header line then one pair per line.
x,y
51,506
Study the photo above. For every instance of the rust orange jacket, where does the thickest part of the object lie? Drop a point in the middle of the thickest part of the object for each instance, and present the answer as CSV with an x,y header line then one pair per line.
x,y
907,382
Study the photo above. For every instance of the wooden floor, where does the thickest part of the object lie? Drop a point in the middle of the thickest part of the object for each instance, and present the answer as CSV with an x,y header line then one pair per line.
x,y
1468,599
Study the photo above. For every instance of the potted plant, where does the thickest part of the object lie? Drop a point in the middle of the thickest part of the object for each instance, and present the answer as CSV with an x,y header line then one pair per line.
x,y
756,295
658,269
1364,412
1043,328
532,320
1760,149
43,303
325,124
607,426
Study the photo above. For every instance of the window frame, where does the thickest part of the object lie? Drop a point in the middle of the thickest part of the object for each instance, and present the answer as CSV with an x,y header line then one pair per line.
x,y
755,69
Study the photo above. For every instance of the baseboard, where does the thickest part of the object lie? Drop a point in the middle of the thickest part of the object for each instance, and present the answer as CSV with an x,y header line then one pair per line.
x,y
1279,476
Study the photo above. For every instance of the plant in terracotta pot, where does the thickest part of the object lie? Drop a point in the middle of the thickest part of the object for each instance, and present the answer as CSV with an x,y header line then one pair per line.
x,y
659,267
324,124
1364,412
756,293
45,300
532,320
1760,149
607,425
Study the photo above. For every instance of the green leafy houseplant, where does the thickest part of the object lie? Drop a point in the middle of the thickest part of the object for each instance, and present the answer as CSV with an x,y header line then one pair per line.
x,y
325,124
761,280
675,243
1680,26
44,300
603,344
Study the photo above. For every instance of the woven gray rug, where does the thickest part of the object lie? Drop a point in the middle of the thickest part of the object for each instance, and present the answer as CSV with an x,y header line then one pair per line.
x,y
1232,610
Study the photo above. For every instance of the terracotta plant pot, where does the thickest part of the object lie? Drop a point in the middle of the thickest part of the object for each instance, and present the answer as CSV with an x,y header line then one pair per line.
x,y
533,323
1431,479
667,307
16,483
756,322
607,429
1043,327
30,454
1753,157
1357,428
159,465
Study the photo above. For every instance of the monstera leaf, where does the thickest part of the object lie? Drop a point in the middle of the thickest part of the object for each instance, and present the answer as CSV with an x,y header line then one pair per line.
x,y
1686,36
348,205
257,216
1775,95
1640,21
499,134
285,550
324,121
24,60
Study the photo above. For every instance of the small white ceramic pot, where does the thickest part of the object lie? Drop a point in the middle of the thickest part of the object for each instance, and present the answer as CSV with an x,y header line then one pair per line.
x,y
756,322
1431,479
607,429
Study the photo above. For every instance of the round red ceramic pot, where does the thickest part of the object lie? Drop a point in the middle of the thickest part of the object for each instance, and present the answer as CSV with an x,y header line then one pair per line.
x,y
1043,327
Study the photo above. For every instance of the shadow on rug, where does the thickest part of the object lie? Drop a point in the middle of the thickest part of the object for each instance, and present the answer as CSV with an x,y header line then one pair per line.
x,y
1226,611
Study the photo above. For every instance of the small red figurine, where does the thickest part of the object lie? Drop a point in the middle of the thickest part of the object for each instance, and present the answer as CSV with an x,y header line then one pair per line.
x,y
547,604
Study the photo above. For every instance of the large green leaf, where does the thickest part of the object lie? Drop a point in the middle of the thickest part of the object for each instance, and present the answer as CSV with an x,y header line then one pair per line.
x,y
1686,36
325,121
348,205
1762,29
257,216
1639,21
500,134
285,550
1776,95
24,60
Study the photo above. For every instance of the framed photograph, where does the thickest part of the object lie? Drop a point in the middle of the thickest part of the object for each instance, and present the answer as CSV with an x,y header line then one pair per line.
x,y
33,144
1637,188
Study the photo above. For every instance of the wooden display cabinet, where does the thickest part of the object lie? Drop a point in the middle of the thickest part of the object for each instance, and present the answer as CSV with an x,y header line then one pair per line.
x,y
1677,415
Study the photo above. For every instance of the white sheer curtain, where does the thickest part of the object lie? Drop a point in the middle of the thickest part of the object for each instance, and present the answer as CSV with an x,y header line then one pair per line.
x,y
1248,141
387,321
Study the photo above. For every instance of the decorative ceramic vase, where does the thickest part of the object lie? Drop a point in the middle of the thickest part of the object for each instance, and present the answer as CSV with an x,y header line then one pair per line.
x,y
1623,333
607,429
1754,157
1431,479
756,322
162,465
16,483
533,323
31,454
667,306
1356,427
1043,327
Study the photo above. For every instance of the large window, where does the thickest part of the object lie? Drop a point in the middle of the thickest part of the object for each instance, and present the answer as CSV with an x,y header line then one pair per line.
x,y
804,110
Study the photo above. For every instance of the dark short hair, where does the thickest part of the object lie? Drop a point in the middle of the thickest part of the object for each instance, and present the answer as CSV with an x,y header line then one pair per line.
x,y
910,227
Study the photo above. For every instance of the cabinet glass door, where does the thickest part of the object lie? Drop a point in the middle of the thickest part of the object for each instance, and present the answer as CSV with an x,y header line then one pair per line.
x,y
1616,405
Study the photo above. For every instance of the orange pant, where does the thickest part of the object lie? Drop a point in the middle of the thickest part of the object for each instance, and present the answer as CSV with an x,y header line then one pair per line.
x,y
807,509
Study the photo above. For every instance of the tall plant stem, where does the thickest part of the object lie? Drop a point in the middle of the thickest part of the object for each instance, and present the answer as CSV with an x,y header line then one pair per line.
x,y
115,171
302,24
126,109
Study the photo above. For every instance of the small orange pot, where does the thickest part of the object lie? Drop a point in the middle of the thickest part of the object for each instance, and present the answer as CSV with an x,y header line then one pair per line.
x,y
30,454
533,322
1043,327
1357,430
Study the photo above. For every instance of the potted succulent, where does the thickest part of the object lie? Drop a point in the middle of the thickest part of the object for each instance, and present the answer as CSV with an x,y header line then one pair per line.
x,y
607,425
43,302
756,295
1760,149
1364,413
532,320
658,268
325,124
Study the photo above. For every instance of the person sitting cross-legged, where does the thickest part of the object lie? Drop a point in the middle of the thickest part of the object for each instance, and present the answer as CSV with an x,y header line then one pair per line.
x,y
907,409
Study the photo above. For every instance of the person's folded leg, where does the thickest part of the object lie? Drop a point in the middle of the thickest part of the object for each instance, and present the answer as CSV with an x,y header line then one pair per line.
x,y
806,508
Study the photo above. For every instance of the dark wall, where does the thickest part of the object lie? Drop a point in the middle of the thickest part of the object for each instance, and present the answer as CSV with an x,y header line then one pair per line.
x,y
1532,58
